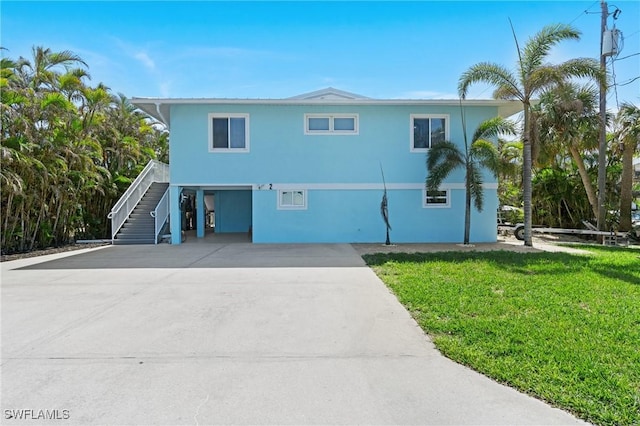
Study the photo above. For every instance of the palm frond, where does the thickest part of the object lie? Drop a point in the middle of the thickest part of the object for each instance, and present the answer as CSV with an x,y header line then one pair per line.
x,y
493,127
537,47
442,159
505,92
491,73
628,120
65,58
583,68
474,182
544,77
486,155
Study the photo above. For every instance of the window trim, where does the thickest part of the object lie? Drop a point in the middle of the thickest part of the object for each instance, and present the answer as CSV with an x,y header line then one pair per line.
x,y
331,117
436,205
228,115
412,117
291,206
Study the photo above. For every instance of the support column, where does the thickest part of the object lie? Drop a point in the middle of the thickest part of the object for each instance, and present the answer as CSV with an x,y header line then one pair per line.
x,y
175,215
200,213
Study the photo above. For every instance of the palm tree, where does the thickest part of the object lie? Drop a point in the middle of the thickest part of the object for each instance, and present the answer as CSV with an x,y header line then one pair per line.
x,y
510,173
567,119
43,72
444,157
532,75
57,139
628,134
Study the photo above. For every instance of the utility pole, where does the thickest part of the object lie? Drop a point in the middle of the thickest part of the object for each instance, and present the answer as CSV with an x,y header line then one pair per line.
x,y
602,150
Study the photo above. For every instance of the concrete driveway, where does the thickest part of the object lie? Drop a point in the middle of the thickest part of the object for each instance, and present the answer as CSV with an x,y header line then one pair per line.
x,y
229,334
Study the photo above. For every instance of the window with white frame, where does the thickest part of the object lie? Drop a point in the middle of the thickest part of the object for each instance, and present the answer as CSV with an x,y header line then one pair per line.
x,y
331,124
292,199
427,130
432,199
229,132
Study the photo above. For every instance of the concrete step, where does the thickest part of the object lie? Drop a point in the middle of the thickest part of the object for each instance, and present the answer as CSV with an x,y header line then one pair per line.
x,y
120,242
136,230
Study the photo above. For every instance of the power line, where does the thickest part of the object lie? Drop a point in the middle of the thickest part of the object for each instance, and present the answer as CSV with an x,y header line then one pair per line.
x,y
629,81
625,57
615,85
585,12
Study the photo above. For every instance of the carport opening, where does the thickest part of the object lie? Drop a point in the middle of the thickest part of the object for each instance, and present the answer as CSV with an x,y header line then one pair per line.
x,y
227,215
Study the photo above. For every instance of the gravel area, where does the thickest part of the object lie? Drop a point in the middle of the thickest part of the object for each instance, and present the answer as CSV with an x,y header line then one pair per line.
x,y
549,243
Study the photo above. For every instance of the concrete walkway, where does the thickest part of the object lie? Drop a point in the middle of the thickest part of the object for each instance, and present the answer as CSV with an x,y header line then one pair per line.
x,y
230,334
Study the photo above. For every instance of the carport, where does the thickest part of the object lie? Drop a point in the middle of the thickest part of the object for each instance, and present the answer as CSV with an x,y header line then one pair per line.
x,y
220,209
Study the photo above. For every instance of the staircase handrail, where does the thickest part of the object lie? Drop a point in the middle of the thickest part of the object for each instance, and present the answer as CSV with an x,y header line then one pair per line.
x,y
154,171
160,214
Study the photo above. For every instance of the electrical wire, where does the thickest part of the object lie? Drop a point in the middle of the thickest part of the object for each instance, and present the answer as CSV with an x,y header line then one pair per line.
x,y
615,85
628,56
629,81
585,12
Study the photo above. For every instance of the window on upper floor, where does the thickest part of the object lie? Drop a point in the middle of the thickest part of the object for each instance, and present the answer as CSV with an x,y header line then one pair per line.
x,y
292,199
332,124
229,132
435,198
427,130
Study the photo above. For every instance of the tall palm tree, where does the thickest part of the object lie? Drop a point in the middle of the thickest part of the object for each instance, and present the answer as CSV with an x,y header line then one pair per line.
x,y
532,75
567,121
446,156
43,72
628,120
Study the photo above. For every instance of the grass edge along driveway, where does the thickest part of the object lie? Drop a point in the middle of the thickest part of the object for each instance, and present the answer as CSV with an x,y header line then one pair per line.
x,y
564,328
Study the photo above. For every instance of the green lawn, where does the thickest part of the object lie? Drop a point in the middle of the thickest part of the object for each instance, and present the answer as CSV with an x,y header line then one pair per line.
x,y
564,328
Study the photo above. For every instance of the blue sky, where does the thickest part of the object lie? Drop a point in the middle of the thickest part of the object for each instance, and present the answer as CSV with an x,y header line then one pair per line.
x,y
281,49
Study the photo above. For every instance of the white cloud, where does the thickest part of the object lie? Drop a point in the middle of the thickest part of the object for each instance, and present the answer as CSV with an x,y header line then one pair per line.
x,y
225,52
146,60
165,89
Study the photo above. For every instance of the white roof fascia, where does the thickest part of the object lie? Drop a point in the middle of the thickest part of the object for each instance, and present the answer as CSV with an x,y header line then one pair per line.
x,y
157,106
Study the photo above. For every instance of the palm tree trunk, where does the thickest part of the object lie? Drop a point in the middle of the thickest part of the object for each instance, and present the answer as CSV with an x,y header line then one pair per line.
x,y
586,179
626,184
7,213
526,176
467,208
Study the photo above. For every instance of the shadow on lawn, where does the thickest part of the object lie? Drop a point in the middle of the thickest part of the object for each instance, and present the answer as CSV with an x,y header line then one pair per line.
x,y
531,263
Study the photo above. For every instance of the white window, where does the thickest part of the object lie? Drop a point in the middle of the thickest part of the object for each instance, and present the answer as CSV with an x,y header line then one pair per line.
x,y
427,130
435,199
228,132
332,124
292,199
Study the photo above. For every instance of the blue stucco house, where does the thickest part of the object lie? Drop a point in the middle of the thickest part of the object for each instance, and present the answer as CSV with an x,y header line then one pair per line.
x,y
307,169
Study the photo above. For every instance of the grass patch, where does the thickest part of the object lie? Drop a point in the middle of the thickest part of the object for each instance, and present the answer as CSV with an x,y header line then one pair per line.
x,y
564,328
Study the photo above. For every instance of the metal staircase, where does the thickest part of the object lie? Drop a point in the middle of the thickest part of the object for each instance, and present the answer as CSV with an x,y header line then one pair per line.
x,y
140,214
139,228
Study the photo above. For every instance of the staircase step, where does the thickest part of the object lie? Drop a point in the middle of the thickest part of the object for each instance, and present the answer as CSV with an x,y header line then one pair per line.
x,y
140,225
133,241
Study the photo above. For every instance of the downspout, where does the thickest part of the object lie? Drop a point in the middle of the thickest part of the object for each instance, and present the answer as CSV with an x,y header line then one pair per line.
x,y
162,117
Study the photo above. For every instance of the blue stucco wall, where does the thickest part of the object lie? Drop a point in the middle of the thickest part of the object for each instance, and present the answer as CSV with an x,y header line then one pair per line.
x,y
354,216
281,154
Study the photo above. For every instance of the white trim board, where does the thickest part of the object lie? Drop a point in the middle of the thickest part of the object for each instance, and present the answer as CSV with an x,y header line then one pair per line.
x,y
327,186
